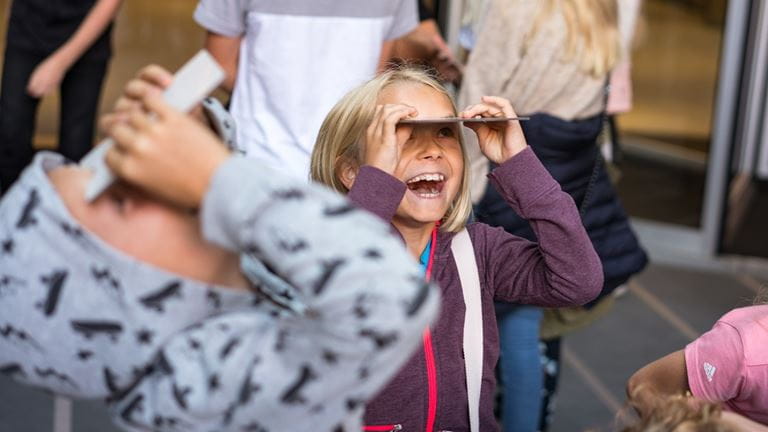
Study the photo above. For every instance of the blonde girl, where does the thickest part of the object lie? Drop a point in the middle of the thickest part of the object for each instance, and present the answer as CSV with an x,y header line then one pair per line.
x,y
414,177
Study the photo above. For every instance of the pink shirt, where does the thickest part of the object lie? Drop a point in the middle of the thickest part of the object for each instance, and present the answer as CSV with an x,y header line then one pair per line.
x,y
730,362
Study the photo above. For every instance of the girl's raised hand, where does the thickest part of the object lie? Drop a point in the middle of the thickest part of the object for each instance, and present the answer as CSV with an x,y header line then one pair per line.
x,y
384,139
165,152
498,141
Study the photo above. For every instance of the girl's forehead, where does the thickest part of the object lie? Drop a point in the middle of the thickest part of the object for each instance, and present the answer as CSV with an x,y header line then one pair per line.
x,y
415,94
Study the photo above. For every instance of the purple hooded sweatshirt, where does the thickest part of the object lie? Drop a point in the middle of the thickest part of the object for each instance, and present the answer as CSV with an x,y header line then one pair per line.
x,y
562,269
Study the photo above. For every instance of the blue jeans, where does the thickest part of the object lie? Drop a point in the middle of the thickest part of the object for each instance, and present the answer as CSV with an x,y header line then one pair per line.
x,y
520,370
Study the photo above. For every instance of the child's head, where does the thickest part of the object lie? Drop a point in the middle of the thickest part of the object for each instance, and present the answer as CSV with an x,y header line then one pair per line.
x,y
679,413
432,149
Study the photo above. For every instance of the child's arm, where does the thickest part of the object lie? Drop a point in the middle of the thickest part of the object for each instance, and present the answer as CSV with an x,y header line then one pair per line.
x,y
226,51
264,367
665,376
48,74
562,269
225,22
372,186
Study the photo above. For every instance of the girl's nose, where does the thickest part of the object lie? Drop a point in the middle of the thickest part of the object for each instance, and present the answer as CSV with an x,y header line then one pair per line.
x,y
429,148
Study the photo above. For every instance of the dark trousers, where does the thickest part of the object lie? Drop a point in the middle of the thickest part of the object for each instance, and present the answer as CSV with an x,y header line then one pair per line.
x,y
80,90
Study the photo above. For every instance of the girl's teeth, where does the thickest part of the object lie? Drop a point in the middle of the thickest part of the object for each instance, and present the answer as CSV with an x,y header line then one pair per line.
x,y
427,177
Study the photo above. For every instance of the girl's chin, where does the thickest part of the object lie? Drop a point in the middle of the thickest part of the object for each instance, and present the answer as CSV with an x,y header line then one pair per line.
x,y
415,218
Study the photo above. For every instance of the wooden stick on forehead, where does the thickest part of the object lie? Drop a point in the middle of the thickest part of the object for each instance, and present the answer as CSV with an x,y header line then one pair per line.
x,y
461,120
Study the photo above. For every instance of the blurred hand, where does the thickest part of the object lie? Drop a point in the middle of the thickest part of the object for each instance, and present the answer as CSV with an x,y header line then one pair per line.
x,y
445,63
165,152
498,141
151,79
384,139
46,77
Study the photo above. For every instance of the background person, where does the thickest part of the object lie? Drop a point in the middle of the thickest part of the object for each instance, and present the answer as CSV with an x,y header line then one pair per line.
x,y
725,365
288,62
96,303
50,45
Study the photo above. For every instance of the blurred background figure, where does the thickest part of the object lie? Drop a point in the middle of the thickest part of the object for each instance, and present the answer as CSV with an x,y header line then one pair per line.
x,y
289,62
51,45
426,45
554,66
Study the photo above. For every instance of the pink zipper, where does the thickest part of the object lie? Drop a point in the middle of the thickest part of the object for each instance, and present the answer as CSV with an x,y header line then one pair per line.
x,y
429,354
383,428
429,359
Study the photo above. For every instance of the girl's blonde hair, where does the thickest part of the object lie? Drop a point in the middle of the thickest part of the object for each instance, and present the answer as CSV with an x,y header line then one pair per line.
x,y
592,32
343,128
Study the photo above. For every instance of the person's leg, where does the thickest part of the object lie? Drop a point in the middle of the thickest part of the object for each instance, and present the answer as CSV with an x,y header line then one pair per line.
x,y
550,354
17,115
520,367
80,93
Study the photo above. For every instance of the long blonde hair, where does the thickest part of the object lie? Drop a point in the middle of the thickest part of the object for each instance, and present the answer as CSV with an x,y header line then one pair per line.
x,y
592,32
341,132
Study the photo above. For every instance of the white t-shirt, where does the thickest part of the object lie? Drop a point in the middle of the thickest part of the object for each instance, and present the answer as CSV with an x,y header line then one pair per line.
x,y
297,59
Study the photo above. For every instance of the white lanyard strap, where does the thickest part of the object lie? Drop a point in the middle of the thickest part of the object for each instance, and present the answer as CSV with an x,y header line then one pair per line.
x,y
464,255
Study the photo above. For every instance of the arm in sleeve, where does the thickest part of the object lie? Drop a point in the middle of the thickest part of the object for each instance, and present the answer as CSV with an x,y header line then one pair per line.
x,y
562,269
225,21
223,17
377,192
267,368
404,20
715,364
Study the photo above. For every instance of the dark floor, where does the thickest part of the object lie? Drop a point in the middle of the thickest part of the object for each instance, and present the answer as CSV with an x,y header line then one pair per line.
x,y
664,309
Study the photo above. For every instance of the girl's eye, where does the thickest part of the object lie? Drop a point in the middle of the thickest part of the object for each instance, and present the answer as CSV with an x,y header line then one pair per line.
x,y
446,132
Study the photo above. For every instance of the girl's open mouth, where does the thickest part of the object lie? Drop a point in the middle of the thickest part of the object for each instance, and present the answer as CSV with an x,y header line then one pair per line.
x,y
426,185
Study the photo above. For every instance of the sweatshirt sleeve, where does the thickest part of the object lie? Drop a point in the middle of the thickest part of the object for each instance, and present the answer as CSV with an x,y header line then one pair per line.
x,y
377,192
562,269
265,367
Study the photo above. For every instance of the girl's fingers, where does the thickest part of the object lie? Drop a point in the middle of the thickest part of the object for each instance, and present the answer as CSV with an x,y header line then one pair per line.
x,y
397,113
501,103
374,126
491,106
391,115
483,110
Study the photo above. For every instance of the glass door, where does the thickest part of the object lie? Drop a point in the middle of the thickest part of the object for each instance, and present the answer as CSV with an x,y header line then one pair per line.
x,y
666,138
677,141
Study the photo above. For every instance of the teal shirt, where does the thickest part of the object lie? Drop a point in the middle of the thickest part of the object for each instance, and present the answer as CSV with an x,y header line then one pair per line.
x,y
424,258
